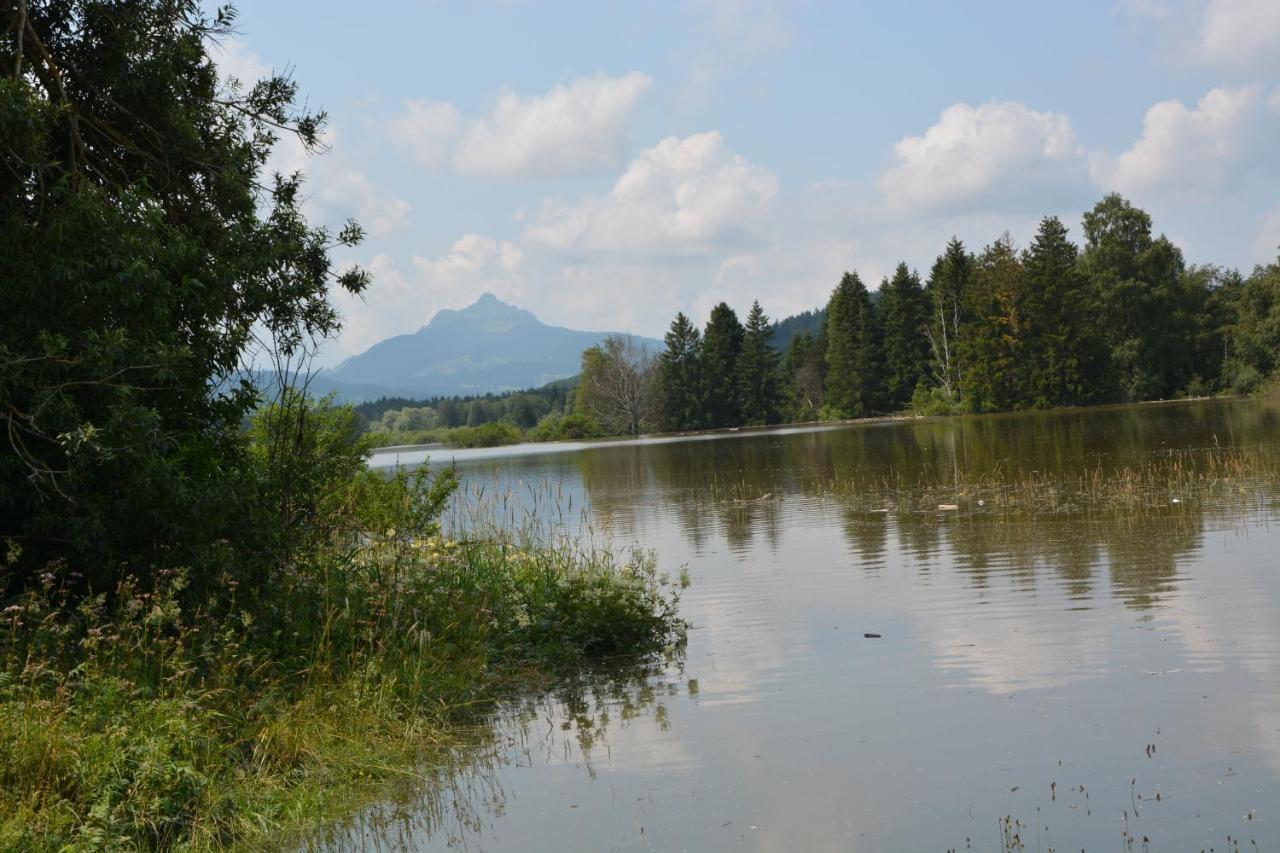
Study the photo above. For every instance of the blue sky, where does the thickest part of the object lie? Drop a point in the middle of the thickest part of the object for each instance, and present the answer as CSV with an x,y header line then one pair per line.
x,y
607,164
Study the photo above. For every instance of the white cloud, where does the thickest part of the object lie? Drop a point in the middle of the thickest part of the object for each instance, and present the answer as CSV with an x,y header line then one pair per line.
x,y
428,131
1235,36
998,155
681,196
1196,149
236,61
334,191
575,128
1243,35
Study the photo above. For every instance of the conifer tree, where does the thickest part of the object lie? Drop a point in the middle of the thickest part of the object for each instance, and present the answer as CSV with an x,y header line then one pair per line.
x,y
805,371
851,379
946,291
680,389
757,370
992,336
721,344
1062,349
904,313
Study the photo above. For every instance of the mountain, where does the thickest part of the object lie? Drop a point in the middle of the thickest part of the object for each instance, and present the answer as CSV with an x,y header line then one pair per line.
x,y
488,346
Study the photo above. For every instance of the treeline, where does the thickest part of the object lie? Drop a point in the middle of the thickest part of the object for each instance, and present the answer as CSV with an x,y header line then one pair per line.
x,y
486,420
1122,319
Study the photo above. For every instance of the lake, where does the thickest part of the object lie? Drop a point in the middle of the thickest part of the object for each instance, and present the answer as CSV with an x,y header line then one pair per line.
x,y
1084,653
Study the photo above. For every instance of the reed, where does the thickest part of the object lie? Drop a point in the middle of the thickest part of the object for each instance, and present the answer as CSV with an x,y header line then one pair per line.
x,y
140,719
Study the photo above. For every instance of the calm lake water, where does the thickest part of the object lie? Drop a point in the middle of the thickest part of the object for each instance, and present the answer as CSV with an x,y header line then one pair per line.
x,y
1087,645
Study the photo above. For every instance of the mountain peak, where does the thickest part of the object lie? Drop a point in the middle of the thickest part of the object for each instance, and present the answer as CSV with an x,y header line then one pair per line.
x,y
488,312
488,346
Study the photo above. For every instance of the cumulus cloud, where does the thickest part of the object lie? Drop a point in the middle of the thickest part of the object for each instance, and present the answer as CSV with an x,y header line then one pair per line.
x,y
1208,147
680,196
579,127
998,155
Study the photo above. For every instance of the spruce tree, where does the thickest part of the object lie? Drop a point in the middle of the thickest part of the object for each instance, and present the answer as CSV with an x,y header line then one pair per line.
x,y
946,291
757,370
680,388
1062,349
992,335
904,312
851,379
721,344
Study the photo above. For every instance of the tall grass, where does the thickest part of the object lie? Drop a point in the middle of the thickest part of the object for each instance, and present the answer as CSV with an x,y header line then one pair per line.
x,y
140,718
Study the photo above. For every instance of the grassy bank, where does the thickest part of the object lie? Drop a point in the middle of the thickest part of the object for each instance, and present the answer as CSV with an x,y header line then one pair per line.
x,y
144,718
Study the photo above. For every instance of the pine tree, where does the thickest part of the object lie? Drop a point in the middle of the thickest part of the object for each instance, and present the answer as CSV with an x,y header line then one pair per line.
x,y
946,292
680,388
757,370
904,313
1062,348
721,344
992,335
851,376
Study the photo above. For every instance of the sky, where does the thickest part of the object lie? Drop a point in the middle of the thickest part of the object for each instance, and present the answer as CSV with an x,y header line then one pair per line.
x,y
606,165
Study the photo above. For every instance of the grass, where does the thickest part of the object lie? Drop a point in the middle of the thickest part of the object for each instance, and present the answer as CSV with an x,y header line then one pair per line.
x,y
139,719
1173,478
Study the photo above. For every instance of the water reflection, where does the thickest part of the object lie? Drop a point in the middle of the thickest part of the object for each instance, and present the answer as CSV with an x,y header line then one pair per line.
x,y
1053,594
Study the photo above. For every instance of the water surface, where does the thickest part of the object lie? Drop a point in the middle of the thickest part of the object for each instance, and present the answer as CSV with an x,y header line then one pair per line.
x,y
1067,644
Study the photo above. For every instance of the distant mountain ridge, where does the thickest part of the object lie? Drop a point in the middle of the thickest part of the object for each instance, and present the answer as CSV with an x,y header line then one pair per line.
x,y
489,346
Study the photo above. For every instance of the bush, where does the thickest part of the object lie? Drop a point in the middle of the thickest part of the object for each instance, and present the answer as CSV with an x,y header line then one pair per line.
x,y
928,401
155,714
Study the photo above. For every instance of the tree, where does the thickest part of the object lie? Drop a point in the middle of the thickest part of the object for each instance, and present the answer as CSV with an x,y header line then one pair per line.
x,y
851,358
1062,352
144,254
904,313
804,369
1255,341
721,344
992,337
680,388
757,370
1135,283
616,385
947,289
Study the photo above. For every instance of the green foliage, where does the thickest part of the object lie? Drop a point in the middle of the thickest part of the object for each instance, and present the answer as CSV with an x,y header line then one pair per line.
x,y
680,385
852,378
142,251
1137,300
1254,353
993,335
947,292
757,371
904,312
1063,353
804,370
156,716
721,344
